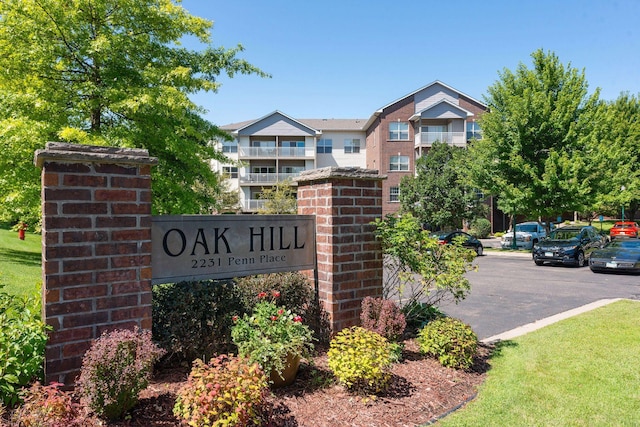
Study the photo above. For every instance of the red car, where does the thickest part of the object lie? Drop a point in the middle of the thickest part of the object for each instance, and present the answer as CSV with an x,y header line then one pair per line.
x,y
625,229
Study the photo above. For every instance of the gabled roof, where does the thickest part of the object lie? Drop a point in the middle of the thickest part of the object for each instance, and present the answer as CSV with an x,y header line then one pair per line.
x,y
433,107
435,82
245,125
312,124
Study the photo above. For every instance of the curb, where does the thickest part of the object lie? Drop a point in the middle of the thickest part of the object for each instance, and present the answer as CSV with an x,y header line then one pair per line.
x,y
538,324
503,253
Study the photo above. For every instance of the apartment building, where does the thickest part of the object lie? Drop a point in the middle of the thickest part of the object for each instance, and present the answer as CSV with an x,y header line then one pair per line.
x,y
277,146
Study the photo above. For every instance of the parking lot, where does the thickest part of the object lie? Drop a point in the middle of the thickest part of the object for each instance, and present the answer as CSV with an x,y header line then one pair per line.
x,y
509,291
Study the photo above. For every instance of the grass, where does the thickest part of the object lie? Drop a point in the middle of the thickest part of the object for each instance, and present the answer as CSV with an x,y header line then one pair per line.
x,y
20,263
582,371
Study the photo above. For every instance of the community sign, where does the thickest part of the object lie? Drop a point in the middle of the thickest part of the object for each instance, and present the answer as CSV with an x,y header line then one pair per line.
x,y
199,247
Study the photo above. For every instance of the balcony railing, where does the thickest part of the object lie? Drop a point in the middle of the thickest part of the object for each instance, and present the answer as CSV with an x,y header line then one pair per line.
x,y
273,152
266,178
252,205
426,139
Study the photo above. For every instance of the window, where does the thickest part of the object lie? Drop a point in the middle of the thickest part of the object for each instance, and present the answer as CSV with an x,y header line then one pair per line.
x,y
324,146
473,131
291,169
229,146
230,171
291,144
399,163
394,194
399,131
264,169
351,145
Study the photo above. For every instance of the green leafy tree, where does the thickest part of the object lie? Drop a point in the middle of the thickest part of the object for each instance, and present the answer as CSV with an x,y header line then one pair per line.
x,y
438,195
419,269
616,143
534,152
109,72
279,199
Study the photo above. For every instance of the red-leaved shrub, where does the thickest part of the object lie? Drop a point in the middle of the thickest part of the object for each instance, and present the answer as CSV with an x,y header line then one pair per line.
x,y
114,371
48,406
384,317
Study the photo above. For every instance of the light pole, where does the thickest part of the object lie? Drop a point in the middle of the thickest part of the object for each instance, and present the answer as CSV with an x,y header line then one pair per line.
x,y
621,190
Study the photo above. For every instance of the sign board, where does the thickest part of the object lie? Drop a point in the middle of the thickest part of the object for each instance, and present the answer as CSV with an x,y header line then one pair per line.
x,y
200,247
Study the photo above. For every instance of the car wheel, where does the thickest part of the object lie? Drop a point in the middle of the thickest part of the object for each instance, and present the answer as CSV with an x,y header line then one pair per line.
x,y
580,259
538,262
479,250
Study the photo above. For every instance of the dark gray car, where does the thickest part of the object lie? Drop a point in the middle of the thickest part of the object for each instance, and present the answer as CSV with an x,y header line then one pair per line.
x,y
570,245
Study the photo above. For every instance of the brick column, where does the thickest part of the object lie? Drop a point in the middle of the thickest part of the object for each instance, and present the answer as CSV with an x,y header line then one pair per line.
x,y
96,248
345,201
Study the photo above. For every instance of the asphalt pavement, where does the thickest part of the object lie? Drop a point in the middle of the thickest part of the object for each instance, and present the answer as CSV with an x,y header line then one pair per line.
x,y
511,296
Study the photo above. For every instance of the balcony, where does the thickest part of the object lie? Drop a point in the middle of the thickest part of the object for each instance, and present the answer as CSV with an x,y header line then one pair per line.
x,y
252,205
273,152
266,178
426,139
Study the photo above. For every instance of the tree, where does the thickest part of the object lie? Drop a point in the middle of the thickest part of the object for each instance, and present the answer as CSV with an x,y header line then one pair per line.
x,y
418,269
616,142
437,195
109,72
534,154
279,199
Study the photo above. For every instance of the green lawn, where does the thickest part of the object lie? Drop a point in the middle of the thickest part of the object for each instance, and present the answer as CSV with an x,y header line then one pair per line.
x,y
20,262
583,371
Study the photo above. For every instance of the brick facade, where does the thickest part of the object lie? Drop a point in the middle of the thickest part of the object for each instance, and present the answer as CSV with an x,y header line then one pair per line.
x,y
400,111
349,258
96,257
96,237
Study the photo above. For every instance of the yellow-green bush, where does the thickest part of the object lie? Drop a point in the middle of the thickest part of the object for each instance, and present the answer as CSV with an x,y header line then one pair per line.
x,y
450,340
360,359
228,391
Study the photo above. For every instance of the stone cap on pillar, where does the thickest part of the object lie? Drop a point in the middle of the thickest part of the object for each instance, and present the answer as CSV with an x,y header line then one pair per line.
x,y
339,172
65,152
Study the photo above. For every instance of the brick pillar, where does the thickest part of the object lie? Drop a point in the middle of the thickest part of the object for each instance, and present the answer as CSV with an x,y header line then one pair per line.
x,y
345,201
96,248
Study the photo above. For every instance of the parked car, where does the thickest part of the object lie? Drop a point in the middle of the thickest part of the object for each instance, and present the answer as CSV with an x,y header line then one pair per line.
x,y
625,229
527,235
568,245
617,255
447,237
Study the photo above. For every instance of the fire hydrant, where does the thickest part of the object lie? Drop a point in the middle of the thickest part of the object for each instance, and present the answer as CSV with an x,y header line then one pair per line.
x,y
21,228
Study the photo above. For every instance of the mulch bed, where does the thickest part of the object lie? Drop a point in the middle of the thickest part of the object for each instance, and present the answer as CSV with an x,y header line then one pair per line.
x,y
421,392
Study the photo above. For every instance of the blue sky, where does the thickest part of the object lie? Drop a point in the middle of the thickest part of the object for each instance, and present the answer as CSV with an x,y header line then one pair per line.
x,y
347,58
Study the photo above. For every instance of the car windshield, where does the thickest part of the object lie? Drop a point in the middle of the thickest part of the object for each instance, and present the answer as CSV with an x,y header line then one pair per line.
x,y
528,228
565,235
625,225
628,244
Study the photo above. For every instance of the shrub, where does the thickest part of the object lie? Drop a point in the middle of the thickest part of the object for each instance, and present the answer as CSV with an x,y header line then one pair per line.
x,y
417,267
419,314
360,359
193,319
480,228
23,337
296,294
384,317
115,369
48,406
451,341
227,391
